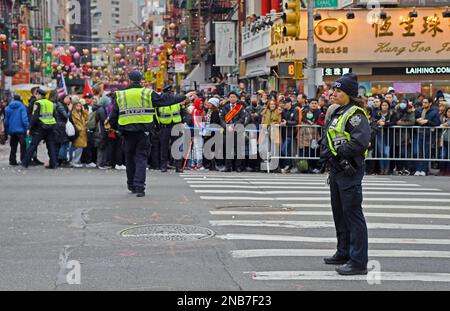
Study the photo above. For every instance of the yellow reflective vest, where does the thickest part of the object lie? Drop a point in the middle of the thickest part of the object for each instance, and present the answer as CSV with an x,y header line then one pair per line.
x,y
47,109
170,114
135,106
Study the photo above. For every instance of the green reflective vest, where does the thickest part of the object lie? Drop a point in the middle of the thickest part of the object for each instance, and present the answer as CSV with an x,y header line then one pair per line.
x,y
46,112
170,114
135,106
337,135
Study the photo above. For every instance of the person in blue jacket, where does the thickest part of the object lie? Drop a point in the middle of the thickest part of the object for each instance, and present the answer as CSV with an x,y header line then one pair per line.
x,y
427,116
16,126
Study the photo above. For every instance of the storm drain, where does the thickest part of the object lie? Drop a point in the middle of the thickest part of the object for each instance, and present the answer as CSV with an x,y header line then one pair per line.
x,y
167,233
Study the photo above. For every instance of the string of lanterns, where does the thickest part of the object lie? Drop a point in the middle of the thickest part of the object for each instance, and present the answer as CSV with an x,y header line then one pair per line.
x,y
73,64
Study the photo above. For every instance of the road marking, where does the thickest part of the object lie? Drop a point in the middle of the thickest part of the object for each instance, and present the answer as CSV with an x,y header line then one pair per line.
x,y
290,180
244,185
333,276
206,182
374,206
314,192
253,253
274,177
219,198
314,213
319,224
289,238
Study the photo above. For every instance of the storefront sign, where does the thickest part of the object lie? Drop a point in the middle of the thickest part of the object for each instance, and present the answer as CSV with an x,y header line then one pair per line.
x,y
328,72
23,77
411,71
327,4
408,88
394,39
257,67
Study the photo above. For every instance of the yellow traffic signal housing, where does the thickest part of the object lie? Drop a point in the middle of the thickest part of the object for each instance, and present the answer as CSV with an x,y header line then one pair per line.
x,y
299,70
292,19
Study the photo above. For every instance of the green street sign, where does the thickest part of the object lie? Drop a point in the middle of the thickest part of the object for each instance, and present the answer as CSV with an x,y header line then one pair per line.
x,y
47,35
48,56
327,4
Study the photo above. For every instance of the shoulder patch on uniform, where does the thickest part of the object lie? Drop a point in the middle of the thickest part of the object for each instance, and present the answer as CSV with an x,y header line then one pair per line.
x,y
356,120
35,107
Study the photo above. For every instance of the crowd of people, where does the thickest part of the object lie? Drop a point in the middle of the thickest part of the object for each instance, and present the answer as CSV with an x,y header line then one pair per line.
x,y
291,122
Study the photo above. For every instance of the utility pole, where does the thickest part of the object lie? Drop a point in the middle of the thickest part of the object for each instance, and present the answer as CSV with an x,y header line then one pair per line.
x,y
311,64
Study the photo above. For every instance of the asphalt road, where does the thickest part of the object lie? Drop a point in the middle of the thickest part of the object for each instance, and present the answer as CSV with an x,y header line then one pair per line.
x,y
269,233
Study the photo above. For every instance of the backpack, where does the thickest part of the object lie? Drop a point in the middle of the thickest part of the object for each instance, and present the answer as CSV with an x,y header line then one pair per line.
x,y
92,122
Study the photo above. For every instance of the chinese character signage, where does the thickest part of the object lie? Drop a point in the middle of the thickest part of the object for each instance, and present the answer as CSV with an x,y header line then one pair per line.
x,y
397,37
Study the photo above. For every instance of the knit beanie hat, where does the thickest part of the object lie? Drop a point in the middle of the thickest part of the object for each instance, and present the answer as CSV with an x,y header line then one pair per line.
x,y
348,83
214,101
104,101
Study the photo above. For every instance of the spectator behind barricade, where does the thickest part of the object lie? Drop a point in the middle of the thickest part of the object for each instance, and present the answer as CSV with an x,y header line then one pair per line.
x,y
198,118
79,117
443,105
392,91
445,145
404,117
389,97
269,137
301,101
308,135
424,139
212,118
322,102
100,133
384,138
62,141
289,124
439,97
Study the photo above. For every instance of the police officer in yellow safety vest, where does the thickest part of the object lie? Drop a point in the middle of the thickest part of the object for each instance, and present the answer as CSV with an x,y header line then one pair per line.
x,y
42,126
134,115
168,117
344,150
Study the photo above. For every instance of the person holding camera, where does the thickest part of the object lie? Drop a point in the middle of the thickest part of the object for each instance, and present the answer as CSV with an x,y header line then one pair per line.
x,y
344,150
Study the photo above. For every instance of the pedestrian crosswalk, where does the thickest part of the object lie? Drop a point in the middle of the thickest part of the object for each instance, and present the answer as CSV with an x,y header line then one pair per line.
x,y
271,218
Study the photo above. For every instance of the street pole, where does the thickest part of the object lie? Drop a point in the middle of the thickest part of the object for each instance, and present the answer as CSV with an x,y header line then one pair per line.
x,y
311,72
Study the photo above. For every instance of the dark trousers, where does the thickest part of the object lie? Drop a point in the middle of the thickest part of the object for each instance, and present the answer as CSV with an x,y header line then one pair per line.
x,y
237,156
15,140
48,136
351,228
166,141
90,152
155,150
115,150
136,147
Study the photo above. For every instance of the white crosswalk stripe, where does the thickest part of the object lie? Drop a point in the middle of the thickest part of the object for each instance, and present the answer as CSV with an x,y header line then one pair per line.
x,y
290,217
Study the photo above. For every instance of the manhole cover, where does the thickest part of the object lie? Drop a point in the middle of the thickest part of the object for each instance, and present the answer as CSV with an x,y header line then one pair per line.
x,y
167,233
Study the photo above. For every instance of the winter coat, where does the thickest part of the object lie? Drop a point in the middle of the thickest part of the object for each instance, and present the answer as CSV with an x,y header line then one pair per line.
x,y
404,118
307,133
61,115
270,120
16,118
79,120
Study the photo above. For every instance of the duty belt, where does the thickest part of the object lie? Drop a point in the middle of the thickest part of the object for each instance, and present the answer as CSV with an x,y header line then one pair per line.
x,y
137,111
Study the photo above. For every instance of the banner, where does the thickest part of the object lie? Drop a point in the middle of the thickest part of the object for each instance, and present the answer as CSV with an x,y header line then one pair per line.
x,y
225,43
48,56
23,76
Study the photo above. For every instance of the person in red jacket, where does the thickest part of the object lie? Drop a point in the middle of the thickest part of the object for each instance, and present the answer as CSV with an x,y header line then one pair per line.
x,y
198,119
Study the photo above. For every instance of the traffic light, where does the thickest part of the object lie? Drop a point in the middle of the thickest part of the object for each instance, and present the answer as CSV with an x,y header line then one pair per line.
x,y
291,19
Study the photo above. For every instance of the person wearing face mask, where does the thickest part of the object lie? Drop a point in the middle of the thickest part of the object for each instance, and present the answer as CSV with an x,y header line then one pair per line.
x,y
311,134
404,116
344,150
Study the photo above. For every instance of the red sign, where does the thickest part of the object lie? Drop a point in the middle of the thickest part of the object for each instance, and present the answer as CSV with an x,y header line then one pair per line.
x,y
23,77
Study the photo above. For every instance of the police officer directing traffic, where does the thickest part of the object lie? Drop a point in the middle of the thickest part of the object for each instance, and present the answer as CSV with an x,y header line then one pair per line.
x,y
134,116
42,126
344,150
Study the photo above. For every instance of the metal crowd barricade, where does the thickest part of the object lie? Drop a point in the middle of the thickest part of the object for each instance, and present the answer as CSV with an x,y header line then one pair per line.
x,y
397,143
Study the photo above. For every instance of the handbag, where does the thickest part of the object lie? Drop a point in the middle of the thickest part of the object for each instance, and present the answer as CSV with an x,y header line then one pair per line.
x,y
70,129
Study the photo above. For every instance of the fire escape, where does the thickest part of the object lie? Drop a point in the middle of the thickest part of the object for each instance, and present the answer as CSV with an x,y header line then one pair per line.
x,y
199,15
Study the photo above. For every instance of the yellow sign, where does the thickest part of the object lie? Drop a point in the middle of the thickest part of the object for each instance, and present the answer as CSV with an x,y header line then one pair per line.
x,y
397,38
159,79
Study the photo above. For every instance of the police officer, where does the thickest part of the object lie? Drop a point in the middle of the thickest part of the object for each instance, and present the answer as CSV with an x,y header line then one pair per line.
x,y
42,125
344,150
168,117
134,115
